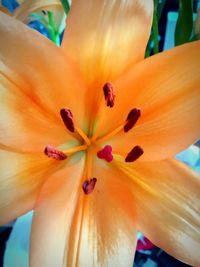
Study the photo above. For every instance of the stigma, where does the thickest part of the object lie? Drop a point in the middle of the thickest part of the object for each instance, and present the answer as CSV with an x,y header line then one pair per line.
x,y
105,153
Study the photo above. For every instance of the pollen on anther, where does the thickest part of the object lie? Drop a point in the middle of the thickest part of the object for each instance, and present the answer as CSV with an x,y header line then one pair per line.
x,y
67,118
132,118
109,94
134,154
105,153
89,185
54,153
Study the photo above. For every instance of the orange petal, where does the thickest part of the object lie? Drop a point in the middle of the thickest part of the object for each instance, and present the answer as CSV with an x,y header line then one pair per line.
x,y
168,207
166,88
105,38
25,125
40,69
53,215
78,229
27,7
20,180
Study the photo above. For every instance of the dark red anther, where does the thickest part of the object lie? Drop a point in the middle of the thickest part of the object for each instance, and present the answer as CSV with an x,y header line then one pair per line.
x,y
67,118
132,118
109,94
54,153
134,154
88,186
105,153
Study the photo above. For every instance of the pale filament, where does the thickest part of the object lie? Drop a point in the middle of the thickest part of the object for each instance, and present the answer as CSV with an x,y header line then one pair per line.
x,y
75,149
110,134
83,135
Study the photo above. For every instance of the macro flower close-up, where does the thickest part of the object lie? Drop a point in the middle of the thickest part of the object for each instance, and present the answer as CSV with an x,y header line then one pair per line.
x,y
89,132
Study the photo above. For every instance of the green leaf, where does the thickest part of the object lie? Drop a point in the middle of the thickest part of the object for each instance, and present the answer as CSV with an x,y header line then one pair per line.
x,y
155,28
51,27
65,5
184,23
157,13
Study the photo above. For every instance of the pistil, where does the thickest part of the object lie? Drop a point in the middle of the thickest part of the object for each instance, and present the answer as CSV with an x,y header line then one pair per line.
x,y
105,153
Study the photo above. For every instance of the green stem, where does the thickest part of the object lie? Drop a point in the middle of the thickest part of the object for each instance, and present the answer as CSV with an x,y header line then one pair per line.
x,y
54,36
155,28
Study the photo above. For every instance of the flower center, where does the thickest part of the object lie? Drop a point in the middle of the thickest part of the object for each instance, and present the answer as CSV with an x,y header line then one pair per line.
x,y
94,143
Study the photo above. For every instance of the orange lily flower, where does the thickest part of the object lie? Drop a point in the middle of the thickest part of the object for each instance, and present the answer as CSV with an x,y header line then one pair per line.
x,y
88,136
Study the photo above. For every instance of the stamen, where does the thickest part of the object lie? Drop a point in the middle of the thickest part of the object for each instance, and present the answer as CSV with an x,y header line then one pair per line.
x,y
109,94
134,154
105,153
54,153
75,149
88,186
67,118
132,118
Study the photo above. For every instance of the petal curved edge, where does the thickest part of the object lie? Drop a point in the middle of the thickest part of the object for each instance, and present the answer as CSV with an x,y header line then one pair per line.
x,y
29,6
40,69
106,37
168,207
166,89
23,12
20,180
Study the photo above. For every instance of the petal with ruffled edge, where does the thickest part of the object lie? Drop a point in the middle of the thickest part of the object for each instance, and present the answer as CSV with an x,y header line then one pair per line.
x,y
106,37
168,206
21,177
166,88
81,230
40,70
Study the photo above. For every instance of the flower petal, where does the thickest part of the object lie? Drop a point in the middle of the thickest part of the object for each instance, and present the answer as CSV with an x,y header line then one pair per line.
x,y
29,6
166,89
78,229
168,206
21,177
52,217
25,126
40,70
23,12
106,37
